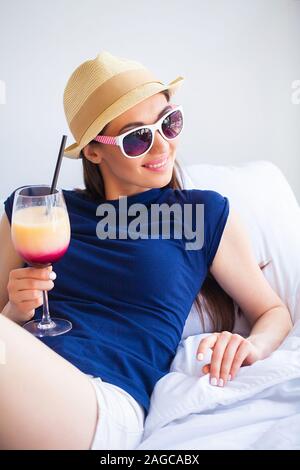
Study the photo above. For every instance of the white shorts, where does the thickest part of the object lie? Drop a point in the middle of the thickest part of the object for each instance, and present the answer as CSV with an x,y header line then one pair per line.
x,y
121,419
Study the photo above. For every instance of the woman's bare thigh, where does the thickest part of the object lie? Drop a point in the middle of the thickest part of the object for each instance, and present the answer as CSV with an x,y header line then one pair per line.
x,y
45,402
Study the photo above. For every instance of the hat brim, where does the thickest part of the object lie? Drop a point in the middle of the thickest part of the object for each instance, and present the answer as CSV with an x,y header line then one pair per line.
x,y
120,106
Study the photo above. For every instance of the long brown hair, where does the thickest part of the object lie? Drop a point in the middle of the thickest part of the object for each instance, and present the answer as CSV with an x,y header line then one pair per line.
x,y
211,299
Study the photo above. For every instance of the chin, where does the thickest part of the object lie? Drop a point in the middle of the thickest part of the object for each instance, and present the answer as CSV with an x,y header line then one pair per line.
x,y
160,181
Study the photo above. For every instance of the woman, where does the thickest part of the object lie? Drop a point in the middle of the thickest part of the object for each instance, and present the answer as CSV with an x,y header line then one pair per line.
x,y
128,299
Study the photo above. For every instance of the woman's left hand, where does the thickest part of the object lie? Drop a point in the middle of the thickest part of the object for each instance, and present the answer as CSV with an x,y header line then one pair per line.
x,y
230,352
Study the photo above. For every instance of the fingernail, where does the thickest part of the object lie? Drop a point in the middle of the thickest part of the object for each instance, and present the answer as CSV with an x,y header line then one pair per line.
x,y
229,377
200,357
221,382
52,276
213,381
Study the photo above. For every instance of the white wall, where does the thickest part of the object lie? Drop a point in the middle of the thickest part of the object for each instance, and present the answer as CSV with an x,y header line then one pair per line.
x,y
239,58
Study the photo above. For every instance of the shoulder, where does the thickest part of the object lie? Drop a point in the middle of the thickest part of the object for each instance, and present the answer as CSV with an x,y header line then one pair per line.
x,y
205,196
79,196
72,198
11,195
211,199
68,194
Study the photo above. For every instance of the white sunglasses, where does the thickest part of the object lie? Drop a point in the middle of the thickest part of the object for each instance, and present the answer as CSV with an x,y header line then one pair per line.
x,y
138,141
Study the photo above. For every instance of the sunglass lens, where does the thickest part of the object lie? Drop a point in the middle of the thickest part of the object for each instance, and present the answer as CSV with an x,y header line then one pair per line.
x,y
172,125
137,142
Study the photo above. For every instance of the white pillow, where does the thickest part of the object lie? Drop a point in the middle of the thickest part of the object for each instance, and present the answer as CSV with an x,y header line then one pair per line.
x,y
261,195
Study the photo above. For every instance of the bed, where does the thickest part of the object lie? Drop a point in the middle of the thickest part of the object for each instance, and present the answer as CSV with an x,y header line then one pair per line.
x,y
260,408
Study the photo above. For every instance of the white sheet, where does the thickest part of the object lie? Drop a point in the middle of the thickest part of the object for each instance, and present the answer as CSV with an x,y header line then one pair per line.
x,y
259,409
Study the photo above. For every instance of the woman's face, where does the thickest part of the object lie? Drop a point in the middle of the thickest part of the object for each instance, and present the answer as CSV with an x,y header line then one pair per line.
x,y
127,176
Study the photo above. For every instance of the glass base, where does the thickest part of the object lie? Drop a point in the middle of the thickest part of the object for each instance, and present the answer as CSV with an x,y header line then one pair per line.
x,y
58,326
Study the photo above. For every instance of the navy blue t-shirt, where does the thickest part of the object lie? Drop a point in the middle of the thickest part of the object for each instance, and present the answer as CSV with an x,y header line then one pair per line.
x,y
128,299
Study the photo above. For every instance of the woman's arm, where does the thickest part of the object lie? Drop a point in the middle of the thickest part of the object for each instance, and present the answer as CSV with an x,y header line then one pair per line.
x,y
238,273
236,270
9,259
20,288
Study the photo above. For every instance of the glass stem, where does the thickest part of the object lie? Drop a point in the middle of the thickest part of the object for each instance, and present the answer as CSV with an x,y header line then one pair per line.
x,y
46,321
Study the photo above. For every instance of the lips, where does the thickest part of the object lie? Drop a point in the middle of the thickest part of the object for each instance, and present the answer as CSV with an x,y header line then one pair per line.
x,y
158,161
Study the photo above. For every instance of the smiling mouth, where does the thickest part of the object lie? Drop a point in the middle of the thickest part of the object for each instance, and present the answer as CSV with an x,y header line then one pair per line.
x,y
157,165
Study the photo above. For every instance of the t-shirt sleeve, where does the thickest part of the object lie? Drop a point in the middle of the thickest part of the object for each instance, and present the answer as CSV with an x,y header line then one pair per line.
x,y
216,211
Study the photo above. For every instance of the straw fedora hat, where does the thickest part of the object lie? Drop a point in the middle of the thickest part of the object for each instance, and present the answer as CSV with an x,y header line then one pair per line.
x,y
101,89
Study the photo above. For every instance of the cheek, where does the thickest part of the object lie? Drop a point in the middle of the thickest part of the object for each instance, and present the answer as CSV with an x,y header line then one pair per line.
x,y
173,145
118,165
173,148
126,167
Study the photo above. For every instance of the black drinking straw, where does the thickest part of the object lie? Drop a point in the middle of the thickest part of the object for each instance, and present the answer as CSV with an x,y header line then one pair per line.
x,y
57,167
58,163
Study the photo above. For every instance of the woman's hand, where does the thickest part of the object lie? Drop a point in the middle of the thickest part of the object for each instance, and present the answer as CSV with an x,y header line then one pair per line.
x,y
230,352
25,286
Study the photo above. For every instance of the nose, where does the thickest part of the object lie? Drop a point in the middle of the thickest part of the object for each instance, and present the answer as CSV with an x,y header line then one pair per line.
x,y
160,144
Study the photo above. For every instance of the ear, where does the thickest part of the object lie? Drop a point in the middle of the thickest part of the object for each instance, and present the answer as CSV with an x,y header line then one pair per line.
x,y
92,153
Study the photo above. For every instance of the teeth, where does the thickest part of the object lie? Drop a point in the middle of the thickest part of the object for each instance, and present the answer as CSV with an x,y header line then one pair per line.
x,y
157,165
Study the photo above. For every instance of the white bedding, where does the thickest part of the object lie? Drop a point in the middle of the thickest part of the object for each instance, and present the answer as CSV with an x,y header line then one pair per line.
x,y
259,409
